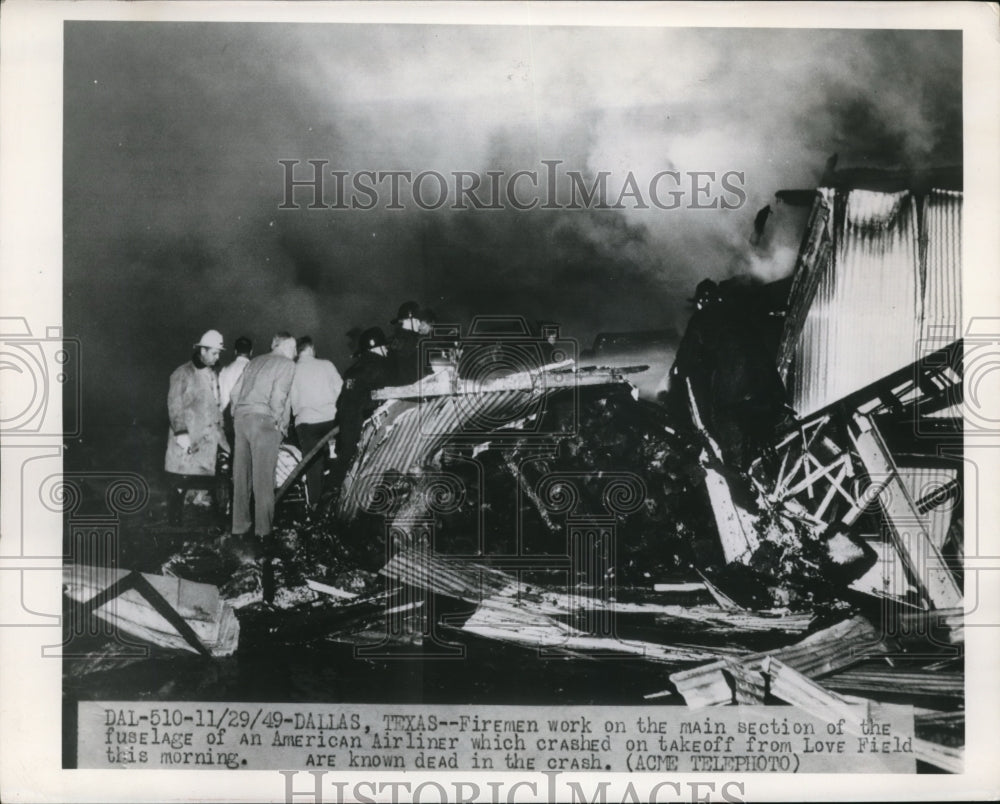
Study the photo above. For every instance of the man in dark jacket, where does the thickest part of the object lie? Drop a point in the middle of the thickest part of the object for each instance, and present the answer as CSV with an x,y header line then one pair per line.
x,y
261,412
371,370
408,364
196,430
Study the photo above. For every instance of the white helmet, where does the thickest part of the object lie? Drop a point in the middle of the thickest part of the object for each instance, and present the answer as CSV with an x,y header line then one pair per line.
x,y
211,340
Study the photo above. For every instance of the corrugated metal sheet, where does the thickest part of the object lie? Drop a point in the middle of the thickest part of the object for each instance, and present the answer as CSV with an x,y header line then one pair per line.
x,y
892,278
404,435
942,299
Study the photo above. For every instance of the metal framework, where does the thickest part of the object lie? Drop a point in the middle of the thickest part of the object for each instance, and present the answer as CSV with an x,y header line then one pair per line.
x,y
836,463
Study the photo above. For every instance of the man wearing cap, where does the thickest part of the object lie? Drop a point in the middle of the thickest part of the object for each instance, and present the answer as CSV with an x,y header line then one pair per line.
x,y
196,430
412,325
370,370
261,412
315,390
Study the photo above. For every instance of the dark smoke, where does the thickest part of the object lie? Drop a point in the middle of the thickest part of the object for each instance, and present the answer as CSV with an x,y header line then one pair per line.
x,y
172,185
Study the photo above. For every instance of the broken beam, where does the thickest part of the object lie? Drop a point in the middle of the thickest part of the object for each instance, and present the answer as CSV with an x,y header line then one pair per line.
x,y
922,559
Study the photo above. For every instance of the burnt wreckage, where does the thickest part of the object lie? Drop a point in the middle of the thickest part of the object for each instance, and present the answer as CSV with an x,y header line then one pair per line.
x,y
785,523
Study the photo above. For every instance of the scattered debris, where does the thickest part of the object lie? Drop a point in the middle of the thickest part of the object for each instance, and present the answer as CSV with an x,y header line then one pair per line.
x,y
535,506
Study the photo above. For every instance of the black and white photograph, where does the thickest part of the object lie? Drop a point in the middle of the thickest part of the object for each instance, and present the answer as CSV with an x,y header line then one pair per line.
x,y
604,404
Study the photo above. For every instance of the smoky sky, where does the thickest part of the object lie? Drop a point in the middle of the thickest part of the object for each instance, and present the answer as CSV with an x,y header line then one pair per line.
x,y
171,179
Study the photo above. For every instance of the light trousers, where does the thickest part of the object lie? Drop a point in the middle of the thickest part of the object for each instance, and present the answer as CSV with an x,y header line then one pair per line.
x,y
255,454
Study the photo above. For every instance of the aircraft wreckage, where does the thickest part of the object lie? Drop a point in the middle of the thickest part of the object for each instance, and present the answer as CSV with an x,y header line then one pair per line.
x,y
803,547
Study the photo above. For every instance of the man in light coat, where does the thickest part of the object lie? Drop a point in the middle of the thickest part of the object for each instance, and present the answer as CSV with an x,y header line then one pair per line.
x,y
261,412
315,390
196,429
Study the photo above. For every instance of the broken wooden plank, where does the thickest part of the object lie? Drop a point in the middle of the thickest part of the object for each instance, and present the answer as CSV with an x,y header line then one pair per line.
x,y
682,587
906,525
912,682
823,652
748,682
791,686
703,686
887,578
834,648
736,526
931,506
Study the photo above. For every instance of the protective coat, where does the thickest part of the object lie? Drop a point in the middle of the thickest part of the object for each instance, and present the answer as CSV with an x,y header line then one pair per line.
x,y
193,408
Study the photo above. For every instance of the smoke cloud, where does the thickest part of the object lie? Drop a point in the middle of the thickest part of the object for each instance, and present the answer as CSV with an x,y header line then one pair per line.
x,y
173,132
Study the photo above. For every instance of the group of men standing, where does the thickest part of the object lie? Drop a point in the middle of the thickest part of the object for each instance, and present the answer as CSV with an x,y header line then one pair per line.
x,y
252,400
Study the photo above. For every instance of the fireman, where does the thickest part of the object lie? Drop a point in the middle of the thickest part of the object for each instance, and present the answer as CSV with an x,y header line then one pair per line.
x,y
372,369
412,326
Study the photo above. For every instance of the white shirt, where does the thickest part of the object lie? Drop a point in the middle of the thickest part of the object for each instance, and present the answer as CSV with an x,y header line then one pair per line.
x,y
315,390
228,377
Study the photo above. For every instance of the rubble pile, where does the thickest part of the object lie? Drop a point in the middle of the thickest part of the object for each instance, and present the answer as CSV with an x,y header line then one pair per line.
x,y
510,493
594,527
756,553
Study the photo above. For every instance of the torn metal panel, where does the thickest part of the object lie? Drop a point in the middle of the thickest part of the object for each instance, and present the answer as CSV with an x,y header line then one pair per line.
x,y
403,436
405,433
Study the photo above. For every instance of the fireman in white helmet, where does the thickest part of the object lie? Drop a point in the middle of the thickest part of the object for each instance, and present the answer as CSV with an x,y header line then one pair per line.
x,y
196,432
